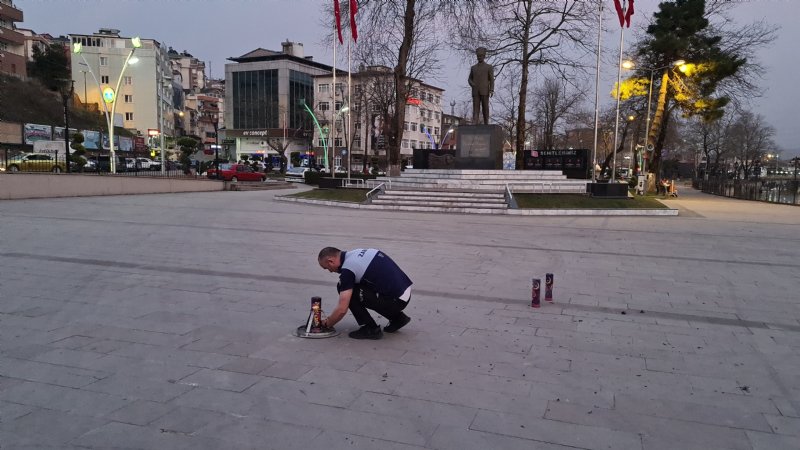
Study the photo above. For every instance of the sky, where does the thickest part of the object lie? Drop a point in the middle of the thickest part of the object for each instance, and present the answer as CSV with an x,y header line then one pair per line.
x,y
214,30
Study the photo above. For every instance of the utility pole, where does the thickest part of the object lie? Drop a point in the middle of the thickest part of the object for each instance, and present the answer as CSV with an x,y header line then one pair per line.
x,y
66,95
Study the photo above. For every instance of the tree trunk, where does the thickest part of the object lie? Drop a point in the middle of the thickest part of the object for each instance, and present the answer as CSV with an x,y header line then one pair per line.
x,y
400,75
523,96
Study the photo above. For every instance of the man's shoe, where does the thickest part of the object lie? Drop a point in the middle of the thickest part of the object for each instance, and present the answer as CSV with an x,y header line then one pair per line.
x,y
397,324
367,332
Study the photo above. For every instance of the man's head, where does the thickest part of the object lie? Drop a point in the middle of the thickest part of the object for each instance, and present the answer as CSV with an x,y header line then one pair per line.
x,y
480,52
330,259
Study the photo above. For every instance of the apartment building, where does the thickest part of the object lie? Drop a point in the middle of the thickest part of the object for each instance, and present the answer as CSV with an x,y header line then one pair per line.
x,y
362,121
12,42
144,100
265,93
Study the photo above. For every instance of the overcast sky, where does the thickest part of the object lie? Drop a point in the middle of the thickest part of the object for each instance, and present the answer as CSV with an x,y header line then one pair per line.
x,y
214,30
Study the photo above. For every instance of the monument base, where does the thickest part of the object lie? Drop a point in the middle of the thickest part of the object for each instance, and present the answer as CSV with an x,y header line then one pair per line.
x,y
479,147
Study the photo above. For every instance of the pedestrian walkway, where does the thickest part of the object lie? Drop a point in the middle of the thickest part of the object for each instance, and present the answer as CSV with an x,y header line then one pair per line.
x,y
166,321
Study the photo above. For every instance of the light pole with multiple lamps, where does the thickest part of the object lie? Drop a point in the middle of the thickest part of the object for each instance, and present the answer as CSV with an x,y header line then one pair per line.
x,y
631,65
110,95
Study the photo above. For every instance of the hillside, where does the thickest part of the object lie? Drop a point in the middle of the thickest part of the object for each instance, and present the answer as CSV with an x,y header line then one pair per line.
x,y
30,102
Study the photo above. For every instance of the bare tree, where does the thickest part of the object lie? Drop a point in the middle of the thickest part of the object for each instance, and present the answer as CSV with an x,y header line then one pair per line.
x,y
749,139
552,103
400,34
709,137
506,102
528,35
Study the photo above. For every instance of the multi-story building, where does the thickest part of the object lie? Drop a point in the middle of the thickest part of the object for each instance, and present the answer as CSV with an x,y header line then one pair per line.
x,y
372,100
144,100
192,70
450,123
12,42
265,93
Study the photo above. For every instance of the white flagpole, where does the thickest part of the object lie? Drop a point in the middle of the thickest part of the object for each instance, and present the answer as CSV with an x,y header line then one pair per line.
x,y
619,94
349,107
597,91
332,127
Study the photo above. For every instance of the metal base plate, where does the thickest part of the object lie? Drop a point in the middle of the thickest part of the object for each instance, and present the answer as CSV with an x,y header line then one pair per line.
x,y
325,333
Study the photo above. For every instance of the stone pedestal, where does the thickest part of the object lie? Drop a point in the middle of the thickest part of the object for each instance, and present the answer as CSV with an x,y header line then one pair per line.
x,y
479,147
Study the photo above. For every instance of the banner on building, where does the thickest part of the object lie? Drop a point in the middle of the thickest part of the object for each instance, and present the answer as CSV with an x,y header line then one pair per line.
x,y
33,132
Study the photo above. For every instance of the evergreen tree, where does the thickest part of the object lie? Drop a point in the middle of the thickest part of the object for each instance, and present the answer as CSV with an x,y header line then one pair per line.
x,y
50,66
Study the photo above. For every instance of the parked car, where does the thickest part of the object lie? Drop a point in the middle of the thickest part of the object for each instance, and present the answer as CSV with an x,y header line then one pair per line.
x,y
144,163
236,172
33,162
296,173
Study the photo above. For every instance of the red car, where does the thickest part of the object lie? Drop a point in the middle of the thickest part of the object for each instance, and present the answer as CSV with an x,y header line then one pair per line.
x,y
236,172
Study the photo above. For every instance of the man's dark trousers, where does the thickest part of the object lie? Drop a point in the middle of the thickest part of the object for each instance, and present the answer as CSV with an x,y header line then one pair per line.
x,y
364,298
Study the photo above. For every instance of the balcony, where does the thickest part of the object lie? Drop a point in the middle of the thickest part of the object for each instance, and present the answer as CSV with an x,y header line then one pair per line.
x,y
11,36
8,12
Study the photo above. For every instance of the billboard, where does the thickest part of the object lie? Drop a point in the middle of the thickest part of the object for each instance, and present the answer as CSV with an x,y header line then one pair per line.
x,y
33,132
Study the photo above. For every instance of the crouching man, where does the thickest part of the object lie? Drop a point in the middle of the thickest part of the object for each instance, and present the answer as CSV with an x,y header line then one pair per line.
x,y
368,279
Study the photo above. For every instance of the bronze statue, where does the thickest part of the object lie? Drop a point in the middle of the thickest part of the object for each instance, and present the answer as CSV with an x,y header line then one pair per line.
x,y
481,79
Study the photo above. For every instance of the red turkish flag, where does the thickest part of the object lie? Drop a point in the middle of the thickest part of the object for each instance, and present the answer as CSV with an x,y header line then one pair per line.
x,y
338,13
353,11
624,14
629,13
620,12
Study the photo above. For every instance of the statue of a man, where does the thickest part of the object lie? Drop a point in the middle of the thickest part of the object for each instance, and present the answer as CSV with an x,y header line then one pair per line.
x,y
481,79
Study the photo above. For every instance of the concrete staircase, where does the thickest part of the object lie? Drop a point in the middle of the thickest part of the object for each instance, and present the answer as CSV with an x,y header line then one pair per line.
x,y
465,191
475,202
527,181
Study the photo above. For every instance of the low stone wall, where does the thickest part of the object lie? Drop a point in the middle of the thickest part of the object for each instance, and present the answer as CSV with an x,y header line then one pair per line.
x,y
35,185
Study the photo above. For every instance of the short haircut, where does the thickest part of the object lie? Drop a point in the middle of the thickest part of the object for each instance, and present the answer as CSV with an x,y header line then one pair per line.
x,y
327,252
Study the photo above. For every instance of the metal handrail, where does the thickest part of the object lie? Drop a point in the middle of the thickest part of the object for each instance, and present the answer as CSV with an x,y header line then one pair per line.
x,y
512,203
376,188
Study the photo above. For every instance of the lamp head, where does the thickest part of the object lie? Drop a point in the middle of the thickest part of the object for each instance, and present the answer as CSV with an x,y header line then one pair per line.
x,y
136,42
628,64
76,47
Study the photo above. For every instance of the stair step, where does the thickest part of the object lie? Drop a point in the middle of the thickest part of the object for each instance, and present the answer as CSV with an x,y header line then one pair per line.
x,y
379,201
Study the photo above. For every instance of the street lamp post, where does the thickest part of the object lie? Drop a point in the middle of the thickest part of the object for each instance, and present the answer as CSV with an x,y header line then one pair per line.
x,y
66,94
110,95
647,146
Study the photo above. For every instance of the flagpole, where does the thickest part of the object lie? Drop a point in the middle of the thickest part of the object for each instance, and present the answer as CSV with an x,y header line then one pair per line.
x,y
332,127
349,130
619,94
597,91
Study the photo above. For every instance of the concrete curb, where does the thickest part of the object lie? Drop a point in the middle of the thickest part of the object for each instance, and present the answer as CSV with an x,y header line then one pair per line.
x,y
513,212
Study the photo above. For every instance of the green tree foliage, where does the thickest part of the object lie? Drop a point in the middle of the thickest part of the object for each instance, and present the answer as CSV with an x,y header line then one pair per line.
x,y
188,147
681,30
50,66
78,150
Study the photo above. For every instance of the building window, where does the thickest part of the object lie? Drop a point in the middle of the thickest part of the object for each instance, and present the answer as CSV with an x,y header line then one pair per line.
x,y
128,116
324,88
337,142
128,80
104,79
413,126
405,126
320,142
436,131
128,98
338,106
255,99
103,61
405,143
339,87
324,106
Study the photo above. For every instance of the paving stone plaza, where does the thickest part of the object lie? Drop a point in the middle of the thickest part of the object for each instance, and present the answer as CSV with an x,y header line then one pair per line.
x,y
165,322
